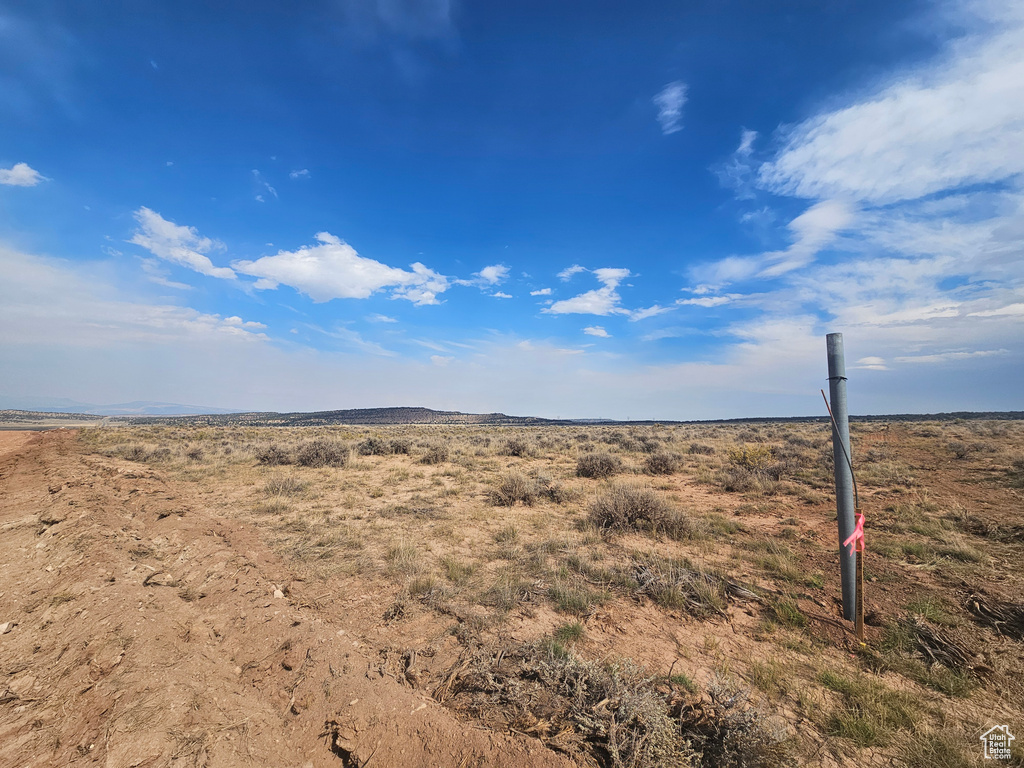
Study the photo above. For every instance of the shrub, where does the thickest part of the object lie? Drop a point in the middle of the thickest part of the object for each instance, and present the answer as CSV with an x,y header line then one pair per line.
x,y
374,446
322,452
662,463
757,458
598,465
133,452
515,446
436,453
649,445
195,453
726,730
701,449
273,455
159,454
626,507
515,486
400,445
959,449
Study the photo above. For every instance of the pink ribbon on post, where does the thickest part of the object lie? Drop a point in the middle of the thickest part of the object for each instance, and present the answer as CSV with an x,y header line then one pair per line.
x,y
857,537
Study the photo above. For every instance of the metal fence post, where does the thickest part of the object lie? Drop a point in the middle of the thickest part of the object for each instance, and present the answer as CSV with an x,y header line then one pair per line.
x,y
843,474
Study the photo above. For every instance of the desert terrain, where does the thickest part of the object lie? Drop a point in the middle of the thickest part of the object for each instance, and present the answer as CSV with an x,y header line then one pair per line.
x,y
476,595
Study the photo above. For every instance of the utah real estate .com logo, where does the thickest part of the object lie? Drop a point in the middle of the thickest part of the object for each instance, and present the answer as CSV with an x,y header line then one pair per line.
x,y
997,742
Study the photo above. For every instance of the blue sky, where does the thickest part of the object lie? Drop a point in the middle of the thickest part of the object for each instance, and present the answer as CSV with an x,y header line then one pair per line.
x,y
556,209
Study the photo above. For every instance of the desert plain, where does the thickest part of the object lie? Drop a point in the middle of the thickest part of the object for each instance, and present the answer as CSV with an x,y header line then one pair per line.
x,y
472,595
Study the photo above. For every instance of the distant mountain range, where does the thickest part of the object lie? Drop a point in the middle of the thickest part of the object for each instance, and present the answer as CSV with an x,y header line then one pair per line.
x,y
136,408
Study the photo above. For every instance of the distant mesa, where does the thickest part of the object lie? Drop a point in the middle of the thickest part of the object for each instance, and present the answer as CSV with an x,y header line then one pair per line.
x,y
354,416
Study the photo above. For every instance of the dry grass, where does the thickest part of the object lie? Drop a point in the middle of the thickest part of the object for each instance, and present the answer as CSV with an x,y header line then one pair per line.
x,y
504,527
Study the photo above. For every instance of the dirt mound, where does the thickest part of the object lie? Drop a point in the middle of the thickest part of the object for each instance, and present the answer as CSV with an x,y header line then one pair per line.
x,y
139,630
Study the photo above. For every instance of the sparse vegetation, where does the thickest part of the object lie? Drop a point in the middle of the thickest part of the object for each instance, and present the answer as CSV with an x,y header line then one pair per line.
x,y
630,507
662,463
483,531
598,465
322,452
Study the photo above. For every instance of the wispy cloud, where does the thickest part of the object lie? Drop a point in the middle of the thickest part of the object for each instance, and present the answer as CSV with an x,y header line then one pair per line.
x,y
488,277
262,183
952,122
21,175
411,19
333,270
377,318
567,274
670,101
709,301
811,231
50,302
596,330
913,195
177,244
156,273
302,173
738,172
943,357
353,340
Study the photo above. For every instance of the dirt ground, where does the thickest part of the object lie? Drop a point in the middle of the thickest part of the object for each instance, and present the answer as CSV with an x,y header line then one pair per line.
x,y
173,611
107,661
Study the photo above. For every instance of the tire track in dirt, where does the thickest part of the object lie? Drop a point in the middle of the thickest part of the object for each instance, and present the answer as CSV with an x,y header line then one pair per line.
x,y
141,631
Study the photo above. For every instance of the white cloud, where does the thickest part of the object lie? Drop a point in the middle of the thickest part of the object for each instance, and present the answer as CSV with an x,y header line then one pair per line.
x,y
871,363
68,335
333,270
50,302
501,295
21,175
488,277
1010,310
602,301
541,292
567,274
177,244
943,357
302,173
494,274
952,122
670,101
811,231
377,318
597,330
709,301
642,314
238,322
